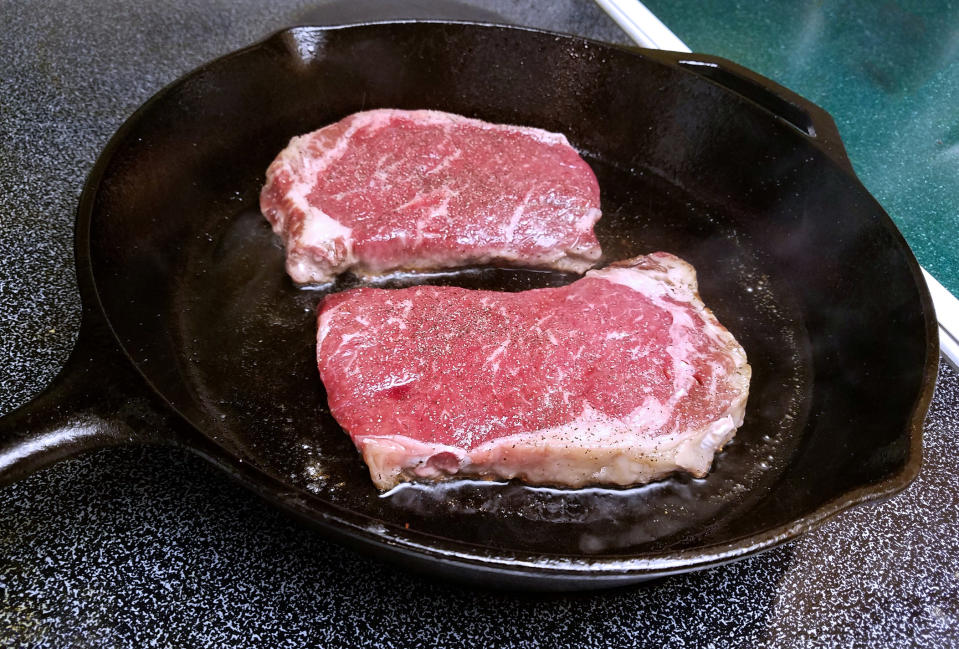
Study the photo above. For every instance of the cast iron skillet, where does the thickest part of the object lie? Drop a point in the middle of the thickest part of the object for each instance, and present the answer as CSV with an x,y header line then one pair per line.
x,y
694,155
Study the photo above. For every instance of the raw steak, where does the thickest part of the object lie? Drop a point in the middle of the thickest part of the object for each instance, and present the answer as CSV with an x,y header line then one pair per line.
x,y
619,378
388,190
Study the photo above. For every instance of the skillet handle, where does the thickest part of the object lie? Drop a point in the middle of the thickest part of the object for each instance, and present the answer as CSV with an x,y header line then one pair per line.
x,y
812,121
96,400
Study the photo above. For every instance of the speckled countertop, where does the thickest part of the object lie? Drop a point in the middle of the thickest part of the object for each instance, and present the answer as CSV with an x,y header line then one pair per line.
x,y
153,547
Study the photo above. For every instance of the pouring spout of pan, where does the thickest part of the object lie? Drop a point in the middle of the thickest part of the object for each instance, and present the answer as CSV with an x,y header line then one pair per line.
x,y
648,31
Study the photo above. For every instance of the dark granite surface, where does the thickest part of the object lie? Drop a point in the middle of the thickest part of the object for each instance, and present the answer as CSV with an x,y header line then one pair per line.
x,y
152,547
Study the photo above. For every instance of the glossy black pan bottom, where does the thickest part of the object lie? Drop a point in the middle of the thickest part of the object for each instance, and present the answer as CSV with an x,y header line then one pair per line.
x,y
240,316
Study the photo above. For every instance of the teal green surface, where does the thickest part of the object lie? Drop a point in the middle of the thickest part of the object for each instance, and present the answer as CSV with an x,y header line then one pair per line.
x,y
888,73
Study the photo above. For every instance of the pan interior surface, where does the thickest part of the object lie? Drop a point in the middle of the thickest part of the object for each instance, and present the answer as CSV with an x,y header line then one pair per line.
x,y
792,256
242,317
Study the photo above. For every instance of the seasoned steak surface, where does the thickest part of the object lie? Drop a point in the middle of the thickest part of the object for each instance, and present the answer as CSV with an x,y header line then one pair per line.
x,y
387,190
619,378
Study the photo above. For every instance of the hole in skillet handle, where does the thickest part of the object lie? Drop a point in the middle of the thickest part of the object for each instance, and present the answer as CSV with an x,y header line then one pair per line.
x,y
800,113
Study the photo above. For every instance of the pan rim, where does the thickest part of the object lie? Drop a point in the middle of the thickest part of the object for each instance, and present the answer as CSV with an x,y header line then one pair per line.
x,y
462,554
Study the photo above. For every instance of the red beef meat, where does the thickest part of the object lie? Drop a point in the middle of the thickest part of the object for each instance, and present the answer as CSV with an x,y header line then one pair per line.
x,y
387,190
619,378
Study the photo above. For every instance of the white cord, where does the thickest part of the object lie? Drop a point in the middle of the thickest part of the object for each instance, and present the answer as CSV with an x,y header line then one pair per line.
x,y
947,313
642,25
647,30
